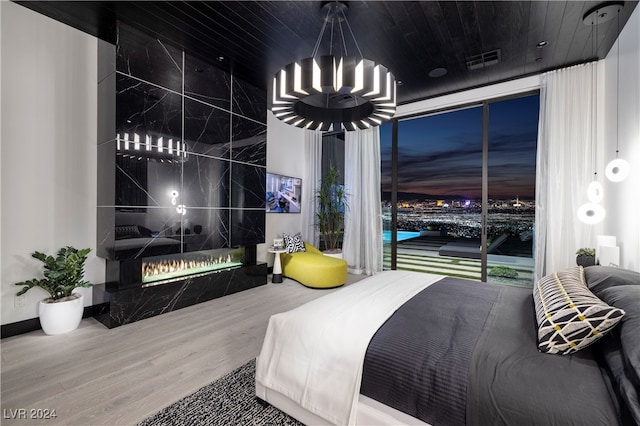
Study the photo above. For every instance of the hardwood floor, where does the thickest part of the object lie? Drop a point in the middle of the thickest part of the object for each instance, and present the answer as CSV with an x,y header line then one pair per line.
x,y
97,376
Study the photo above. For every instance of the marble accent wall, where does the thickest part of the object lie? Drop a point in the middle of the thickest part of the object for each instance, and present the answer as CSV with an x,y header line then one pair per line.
x,y
194,178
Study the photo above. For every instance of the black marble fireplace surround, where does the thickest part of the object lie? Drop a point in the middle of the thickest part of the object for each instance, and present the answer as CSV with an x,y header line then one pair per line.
x,y
181,169
116,303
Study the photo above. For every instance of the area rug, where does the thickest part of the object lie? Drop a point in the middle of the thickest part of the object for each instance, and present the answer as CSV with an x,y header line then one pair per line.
x,y
230,400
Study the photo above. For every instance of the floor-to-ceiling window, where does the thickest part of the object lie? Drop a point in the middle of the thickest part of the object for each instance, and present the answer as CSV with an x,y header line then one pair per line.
x,y
451,170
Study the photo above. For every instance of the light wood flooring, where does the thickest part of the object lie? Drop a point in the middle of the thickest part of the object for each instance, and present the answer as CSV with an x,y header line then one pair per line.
x,y
97,376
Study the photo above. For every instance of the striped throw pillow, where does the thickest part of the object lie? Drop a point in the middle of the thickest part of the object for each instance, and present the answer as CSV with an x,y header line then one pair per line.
x,y
569,316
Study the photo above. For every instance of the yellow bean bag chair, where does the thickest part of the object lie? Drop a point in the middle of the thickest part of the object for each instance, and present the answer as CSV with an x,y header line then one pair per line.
x,y
313,269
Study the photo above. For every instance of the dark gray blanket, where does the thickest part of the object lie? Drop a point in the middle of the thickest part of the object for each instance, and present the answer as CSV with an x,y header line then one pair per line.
x,y
463,352
425,346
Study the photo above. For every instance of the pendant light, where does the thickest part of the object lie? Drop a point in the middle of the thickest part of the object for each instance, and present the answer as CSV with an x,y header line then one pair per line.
x,y
592,212
595,188
334,92
618,169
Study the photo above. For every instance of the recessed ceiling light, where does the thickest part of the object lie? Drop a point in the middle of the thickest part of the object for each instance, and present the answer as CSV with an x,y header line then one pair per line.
x,y
542,44
399,82
437,72
220,58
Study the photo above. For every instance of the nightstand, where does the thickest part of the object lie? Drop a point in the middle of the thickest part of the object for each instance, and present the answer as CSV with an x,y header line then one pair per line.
x,y
276,278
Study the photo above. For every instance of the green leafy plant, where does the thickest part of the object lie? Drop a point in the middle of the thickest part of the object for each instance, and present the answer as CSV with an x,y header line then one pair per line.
x,y
331,203
62,273
586,251
503,271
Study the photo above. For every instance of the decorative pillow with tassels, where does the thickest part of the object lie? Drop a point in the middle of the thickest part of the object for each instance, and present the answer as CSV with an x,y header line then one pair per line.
x,y
293,243
569,316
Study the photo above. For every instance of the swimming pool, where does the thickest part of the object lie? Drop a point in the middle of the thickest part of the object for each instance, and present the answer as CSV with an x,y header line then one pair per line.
x,y
402,235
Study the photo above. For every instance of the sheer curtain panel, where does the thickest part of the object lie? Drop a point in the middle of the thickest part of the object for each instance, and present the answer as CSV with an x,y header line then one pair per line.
x,y
312,175
362,247
566,161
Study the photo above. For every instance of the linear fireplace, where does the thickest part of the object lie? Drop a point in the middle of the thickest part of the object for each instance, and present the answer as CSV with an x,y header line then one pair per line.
x,y
164,269
142,288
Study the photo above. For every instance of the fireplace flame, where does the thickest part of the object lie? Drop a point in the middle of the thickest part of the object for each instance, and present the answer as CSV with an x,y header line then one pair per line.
x,y
162,268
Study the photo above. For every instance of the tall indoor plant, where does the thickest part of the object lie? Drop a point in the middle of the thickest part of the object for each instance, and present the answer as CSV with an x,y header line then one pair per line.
x,y
331,205
62,311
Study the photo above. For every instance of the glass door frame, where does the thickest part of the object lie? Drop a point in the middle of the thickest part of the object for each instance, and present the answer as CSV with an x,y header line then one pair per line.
x,y
485,171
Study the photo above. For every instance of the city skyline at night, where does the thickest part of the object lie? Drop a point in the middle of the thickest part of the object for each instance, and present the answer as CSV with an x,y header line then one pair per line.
x,y
441,155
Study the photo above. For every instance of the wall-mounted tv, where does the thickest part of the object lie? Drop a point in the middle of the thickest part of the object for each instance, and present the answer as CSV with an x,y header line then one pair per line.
x,y
283,193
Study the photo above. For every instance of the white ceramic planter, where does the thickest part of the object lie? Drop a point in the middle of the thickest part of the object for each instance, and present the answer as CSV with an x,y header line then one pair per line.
x,y
61,317
336,255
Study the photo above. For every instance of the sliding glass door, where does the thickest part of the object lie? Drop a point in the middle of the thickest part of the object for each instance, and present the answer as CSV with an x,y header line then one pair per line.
x,y
512,137
443,173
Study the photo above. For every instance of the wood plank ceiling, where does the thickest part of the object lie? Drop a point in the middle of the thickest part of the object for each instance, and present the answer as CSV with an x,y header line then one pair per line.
x,y
256,38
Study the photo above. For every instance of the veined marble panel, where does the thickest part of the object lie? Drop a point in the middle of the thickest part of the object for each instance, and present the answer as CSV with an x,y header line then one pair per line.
x,y
247,227
249,101
148,59
205,182
145,181
145,109
206,129
105,237
106,173
242,130
205,228
248,185
207,83
132,233
249,143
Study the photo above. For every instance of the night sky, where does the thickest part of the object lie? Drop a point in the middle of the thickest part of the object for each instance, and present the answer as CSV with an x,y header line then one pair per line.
x,y
441,155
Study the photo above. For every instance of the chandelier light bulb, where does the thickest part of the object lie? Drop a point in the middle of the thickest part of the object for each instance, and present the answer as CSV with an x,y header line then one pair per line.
x,y
595,192
591,213
617,170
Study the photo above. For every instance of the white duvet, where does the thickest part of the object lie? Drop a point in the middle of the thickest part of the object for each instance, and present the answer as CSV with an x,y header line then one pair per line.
x,y
314,354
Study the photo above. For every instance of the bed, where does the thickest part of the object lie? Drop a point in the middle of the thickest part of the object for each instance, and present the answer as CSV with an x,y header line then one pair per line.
x,y
403,347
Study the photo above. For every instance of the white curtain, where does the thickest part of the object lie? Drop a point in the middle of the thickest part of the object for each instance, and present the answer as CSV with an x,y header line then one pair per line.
x,y
313,173
362,246
567,150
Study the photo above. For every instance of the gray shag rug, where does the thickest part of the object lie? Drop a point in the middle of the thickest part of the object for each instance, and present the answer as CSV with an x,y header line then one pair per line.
x,y
230,400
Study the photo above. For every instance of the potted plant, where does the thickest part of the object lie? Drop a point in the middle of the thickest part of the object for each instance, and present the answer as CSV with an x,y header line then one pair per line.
x,y
62,311
586,257
331,204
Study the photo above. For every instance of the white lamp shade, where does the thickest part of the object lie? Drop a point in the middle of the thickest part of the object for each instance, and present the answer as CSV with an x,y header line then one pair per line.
x,y
591,213
594,192
617,170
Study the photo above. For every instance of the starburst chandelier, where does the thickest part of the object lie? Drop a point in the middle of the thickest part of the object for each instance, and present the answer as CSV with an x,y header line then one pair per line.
x,y
331,92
